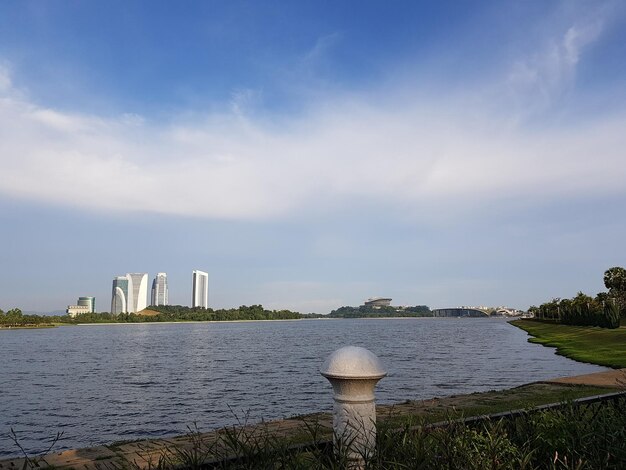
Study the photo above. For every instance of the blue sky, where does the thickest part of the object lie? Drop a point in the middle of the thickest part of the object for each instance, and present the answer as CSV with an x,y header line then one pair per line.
x,y
309,155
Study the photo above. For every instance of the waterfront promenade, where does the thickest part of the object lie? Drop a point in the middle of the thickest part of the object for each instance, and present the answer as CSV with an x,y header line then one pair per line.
x,y
145,454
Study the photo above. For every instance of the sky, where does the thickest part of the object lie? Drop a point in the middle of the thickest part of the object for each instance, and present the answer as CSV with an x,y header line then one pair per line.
x,y
312,154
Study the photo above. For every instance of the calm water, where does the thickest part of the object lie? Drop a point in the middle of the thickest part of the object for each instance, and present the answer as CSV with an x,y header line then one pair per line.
x,y
101,383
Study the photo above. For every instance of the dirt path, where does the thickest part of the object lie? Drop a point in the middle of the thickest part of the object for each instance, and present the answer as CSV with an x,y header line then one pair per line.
x,y
611,378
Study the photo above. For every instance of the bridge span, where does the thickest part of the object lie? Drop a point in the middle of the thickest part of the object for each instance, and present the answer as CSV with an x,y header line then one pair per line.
x,y
460,312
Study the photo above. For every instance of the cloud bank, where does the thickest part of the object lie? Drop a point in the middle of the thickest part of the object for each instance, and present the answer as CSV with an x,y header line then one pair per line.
x,y
419,154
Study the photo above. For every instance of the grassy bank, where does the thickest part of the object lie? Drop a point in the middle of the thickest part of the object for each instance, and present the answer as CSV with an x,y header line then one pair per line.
x,y
482,403
27,327
595,345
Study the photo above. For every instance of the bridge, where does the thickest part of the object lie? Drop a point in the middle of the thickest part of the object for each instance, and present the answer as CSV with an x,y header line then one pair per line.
x,y
468,312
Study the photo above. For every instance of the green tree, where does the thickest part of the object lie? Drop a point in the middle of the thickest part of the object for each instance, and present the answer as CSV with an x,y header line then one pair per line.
x,y
611,314
615,279
12,317
615,282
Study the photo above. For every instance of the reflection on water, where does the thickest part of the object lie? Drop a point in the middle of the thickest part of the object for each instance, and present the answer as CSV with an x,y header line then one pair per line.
x,y
101,383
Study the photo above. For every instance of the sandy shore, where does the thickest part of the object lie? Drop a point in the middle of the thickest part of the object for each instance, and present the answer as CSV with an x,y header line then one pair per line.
x,y
611,378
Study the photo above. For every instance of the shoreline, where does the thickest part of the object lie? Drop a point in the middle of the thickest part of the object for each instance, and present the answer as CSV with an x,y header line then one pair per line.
x,y
591,345
28,327
285,320
55,325
188,321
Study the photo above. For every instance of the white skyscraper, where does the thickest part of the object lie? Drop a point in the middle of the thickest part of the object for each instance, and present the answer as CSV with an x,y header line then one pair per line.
x,y
137,291
159,290
200,289
130,293
119,299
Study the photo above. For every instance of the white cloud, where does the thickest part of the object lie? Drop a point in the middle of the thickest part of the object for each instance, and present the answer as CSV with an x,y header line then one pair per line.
x,y
5,78
538,79
426,155
238,169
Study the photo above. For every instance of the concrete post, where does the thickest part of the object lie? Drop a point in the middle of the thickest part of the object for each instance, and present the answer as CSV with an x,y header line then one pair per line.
x,y
353,372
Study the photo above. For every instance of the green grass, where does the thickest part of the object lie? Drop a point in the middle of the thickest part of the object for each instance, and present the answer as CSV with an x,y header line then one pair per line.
x,y
482,403
595,345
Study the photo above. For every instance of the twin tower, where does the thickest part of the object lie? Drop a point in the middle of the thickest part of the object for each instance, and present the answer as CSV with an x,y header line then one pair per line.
x,y
130,292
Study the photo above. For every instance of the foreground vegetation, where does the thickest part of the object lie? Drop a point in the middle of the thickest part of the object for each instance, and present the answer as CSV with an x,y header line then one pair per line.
x,y
571,438
592,437
605,347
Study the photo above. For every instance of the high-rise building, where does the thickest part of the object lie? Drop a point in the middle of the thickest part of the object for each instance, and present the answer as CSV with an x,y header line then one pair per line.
x,y
200,289
138,291
119,300
130,293
89,302
159,290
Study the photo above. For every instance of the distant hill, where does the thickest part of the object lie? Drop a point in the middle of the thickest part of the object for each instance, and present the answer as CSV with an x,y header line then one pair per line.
x,y
148,312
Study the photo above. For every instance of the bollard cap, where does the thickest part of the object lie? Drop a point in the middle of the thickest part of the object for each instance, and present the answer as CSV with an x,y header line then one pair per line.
x,y
353,362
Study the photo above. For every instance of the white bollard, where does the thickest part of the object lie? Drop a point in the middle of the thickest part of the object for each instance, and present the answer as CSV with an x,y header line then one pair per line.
x,y
353,372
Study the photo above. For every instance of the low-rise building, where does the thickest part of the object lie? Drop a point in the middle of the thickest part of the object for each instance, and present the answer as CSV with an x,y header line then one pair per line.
x,y
377,302
75,310
84,305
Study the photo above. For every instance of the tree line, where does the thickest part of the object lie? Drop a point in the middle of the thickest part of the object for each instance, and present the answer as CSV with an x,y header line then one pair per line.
x,y
14,318
605,310
365,311
167,313
173,313
252,312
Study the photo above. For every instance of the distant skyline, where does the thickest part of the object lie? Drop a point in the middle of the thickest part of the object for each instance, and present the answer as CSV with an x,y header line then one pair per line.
x,y
312,154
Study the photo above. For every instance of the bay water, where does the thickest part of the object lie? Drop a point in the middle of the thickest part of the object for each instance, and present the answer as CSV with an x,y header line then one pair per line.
x,y
103,383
